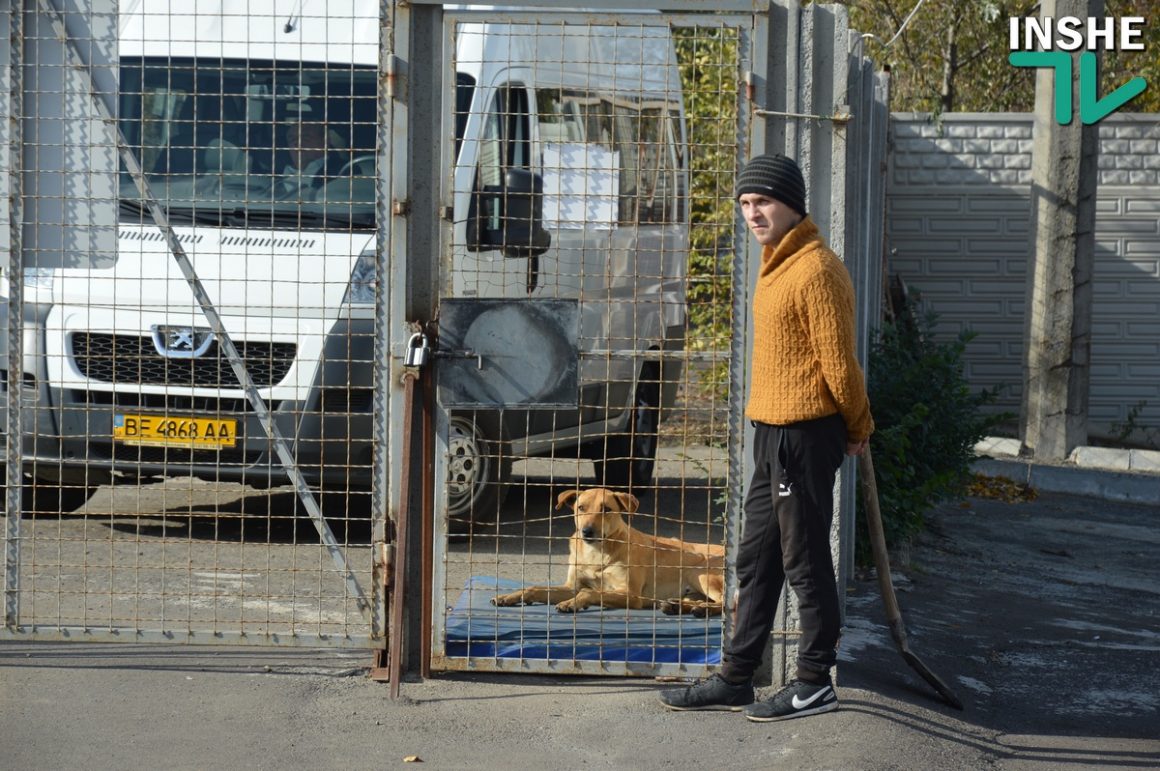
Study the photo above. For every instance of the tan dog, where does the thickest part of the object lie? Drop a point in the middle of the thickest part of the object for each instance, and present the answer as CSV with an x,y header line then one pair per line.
x,y
613,565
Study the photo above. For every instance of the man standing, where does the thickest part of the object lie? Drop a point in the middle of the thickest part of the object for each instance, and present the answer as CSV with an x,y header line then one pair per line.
x,y
808,404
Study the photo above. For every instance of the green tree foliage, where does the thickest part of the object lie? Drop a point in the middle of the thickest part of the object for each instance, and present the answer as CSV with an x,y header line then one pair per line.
x,y
1121,66
952,56
710,73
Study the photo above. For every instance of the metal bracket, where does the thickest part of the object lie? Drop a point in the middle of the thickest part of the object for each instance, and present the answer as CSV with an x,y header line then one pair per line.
x,y
467,354
379,669
840,118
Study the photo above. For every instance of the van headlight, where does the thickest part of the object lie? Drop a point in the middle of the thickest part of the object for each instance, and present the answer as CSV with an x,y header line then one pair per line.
x,y
363,280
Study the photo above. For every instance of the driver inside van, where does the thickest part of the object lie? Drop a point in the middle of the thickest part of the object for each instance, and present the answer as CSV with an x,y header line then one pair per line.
x,y
314,156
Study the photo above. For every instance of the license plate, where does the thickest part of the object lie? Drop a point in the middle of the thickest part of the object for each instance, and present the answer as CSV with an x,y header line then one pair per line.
x,y
171,431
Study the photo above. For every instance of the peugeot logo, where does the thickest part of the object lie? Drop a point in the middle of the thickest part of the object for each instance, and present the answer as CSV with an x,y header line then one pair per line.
x,y
175,342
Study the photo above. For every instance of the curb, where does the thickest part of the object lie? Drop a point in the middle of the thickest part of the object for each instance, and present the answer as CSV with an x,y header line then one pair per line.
x,y
1123,486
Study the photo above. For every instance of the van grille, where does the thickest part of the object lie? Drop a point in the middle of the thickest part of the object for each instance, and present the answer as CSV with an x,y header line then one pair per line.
x,y
168,403
133,360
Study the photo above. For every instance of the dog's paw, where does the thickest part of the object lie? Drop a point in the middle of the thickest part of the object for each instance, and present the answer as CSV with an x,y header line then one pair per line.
x,y
568,606
506,600
671,607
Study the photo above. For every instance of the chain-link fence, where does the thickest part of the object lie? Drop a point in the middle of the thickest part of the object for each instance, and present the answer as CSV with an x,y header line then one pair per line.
x,y
593,163
190,296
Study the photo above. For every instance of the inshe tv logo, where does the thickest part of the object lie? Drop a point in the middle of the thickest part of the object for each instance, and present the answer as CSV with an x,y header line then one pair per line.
x,y
1055,39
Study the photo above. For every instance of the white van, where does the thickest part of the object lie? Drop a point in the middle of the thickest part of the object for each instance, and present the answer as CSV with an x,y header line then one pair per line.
x,y
254,121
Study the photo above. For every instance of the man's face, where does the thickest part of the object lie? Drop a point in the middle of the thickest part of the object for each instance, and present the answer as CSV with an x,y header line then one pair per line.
x,y
768,218
306,141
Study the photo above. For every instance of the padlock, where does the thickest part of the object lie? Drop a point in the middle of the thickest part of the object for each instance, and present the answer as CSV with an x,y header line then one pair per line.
x,y
418,352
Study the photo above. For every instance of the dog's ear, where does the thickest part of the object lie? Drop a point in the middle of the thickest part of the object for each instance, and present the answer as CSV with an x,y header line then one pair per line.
x,y
628,502
565,497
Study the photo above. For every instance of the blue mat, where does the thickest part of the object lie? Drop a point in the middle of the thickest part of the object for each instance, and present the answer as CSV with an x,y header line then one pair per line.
x,y
476,628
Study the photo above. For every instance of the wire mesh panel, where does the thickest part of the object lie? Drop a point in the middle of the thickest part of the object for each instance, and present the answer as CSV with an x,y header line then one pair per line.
x,y
193,303
592,160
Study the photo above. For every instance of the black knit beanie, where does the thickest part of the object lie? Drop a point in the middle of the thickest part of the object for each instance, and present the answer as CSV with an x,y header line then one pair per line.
x,y
775,176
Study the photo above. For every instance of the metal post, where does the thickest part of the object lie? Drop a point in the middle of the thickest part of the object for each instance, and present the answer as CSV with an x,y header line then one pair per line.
x,y
781,136
837,139
383,449
425,96
13,440
857,153
745,269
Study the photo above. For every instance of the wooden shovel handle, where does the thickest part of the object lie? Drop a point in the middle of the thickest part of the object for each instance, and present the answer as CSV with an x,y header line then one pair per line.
x,y
869,486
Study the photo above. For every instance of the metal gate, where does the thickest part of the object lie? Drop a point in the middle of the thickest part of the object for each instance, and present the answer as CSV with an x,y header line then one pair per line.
x,y
589,331
195,347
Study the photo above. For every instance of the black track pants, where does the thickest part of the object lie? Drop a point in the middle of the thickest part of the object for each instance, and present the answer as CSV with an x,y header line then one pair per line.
x,y
788,511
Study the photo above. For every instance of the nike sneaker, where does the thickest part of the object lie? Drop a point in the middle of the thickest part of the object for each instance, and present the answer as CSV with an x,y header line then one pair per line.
x,y
797,699
712,693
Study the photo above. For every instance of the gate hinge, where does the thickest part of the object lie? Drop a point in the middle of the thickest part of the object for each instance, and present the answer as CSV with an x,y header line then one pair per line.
x,y
401,207
392,79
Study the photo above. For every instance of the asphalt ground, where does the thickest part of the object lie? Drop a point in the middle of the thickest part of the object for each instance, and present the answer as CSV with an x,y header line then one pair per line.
x,y
1041,615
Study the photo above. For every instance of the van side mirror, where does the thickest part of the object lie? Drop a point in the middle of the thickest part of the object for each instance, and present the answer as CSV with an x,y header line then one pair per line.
x,y
511,218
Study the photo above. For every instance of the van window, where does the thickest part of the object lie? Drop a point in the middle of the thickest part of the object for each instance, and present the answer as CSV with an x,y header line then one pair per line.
x,y
504,144
650,167
641,136
464,91
283,145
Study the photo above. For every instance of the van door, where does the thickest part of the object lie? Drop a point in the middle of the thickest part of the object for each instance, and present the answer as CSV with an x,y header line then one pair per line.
x,y
482,269
507,141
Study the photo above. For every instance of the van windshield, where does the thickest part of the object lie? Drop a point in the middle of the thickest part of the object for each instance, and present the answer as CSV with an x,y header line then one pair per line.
x,y
249,143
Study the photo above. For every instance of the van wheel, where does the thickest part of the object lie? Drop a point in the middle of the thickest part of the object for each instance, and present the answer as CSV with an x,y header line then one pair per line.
x,y
477,471
630,457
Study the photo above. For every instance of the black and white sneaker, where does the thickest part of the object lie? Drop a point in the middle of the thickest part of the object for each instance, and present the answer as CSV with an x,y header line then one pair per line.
x,y
712,693
797,699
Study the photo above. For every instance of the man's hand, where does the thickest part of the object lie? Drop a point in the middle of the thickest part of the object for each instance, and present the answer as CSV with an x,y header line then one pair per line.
x,y
856,448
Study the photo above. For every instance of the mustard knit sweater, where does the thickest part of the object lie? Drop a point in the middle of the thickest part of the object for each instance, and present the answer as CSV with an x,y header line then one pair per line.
x,y
804,365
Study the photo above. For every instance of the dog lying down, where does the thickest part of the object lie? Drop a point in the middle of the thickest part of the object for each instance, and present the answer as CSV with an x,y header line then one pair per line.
x,y
615,566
